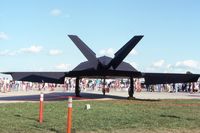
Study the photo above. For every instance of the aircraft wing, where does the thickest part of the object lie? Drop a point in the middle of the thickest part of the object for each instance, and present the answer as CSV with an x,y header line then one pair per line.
x,y
164,78
47,77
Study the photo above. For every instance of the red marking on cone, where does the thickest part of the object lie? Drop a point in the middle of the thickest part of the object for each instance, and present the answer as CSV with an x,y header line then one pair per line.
x,y
69,115
41,108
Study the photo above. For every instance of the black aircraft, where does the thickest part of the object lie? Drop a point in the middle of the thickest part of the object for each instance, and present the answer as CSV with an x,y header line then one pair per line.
x,y
104,67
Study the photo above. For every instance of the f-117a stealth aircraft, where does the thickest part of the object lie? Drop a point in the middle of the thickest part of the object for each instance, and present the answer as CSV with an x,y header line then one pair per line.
x,y
104,67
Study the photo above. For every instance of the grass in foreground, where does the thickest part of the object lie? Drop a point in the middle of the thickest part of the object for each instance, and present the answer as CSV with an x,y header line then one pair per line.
x,y
104,116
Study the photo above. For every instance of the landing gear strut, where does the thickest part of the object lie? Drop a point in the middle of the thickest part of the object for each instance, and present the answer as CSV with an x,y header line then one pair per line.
x,y
104,87
77,88
131,89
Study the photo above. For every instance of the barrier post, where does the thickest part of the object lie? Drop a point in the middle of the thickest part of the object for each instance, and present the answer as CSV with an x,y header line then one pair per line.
x,y
69,115
41,107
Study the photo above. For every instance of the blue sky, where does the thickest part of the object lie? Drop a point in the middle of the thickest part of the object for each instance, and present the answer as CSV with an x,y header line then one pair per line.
x,y
33,33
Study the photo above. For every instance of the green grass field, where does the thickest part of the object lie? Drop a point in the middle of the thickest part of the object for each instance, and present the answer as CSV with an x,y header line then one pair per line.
x,y
105,116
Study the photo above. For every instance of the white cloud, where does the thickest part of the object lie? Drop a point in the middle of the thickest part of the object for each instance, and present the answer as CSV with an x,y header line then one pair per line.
x,y
7,53
32,49
160,66
109,52
56,12
188,64
134,64
159,63
169,66
178,67
55,52
134,52
63,66
3,36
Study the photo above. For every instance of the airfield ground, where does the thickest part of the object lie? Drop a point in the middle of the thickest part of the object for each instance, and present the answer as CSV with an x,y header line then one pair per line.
x,y
150,112
59,94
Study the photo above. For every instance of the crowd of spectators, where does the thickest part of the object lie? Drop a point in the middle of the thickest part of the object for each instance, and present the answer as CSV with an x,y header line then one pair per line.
x,y
7,85
179,87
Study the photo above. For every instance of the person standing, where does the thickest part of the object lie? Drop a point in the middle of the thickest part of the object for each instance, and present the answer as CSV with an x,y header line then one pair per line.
x,y
4,85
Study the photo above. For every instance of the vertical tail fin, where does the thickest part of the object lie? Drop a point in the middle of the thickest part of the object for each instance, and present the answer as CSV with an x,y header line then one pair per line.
x,y
86,51
124,51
